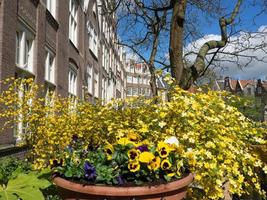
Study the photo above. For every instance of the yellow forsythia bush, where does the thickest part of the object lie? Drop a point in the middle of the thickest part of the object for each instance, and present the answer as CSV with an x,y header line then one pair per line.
x,y
214,136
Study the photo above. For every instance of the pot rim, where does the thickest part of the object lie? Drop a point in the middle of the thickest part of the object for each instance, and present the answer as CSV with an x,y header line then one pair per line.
x,y
124,191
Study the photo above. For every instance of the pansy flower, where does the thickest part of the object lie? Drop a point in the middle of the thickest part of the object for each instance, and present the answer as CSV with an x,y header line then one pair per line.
x,y
109,150
89,171
125,141
154,164
164,149
133,154
165,164
134,166
142,148
146,157
133,136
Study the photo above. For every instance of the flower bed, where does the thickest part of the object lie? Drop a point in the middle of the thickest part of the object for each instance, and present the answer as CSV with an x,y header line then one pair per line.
x,y
214,138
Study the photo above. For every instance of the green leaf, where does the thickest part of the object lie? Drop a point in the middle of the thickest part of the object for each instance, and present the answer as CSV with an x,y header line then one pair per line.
x,y
24,186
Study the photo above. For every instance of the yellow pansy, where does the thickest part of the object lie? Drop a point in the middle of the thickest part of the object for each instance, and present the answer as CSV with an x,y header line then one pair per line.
x,y
132,136
146,157
171,174
164,149
134,166
165,164
109,151
154,164
133,154
124,141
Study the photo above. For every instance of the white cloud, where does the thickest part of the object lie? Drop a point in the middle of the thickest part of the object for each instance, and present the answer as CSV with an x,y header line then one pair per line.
x,y
245,44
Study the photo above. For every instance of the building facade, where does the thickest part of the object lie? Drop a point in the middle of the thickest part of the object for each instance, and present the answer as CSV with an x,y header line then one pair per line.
x,y
138,78
69,46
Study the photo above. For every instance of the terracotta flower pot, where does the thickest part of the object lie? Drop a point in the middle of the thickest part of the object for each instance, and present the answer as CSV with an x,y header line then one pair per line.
x,y
175,190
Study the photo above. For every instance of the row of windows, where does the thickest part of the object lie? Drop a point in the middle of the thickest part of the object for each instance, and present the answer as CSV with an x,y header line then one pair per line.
x,y
138,80
24,60
138,91
141,68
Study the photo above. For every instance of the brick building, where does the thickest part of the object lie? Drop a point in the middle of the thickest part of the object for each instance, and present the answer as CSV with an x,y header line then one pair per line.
x,y
69,46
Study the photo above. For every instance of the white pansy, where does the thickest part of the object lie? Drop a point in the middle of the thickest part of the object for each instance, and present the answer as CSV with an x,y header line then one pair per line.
x,y
172,140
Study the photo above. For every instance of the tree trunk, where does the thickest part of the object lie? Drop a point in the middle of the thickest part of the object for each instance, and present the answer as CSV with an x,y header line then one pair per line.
x,y
176,40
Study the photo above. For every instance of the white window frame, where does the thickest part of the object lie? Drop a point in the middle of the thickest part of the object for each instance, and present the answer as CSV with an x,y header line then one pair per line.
x,y
72,80
24,49
51,7
21,126
135,80
129,91
89,74
93,39
49,95
96,84
134,91
104,88
73,21
50,67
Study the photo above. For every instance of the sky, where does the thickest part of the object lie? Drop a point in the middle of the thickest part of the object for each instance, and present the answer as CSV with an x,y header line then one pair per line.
x,y
211,30
255,69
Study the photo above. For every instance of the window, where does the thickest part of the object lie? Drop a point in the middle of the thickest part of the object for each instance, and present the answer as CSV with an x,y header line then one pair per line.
x,y
249,91
129,91
135,91
96,84
104,86
50,67
129,79
135,79
94,8
49,95
259,90
89,79
72,89
73,21
24,49
51,6
132,69
93,39
24,98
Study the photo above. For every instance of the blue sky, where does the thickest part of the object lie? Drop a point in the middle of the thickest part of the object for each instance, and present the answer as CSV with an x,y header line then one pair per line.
x,y
248,23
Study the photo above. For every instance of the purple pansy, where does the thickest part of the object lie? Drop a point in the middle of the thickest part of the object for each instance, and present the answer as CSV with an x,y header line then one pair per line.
x,y
75,138
120,180
142,148
89,171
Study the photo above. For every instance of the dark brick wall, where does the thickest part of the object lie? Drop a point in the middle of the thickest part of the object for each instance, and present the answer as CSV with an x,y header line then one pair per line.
x,y
8,10
49,32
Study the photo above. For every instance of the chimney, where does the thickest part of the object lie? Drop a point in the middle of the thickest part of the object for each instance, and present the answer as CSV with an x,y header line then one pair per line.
x,y
226,83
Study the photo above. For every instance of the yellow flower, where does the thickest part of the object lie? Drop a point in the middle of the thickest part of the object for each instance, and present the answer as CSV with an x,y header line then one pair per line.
x,y
134,166
165,164
146,157
109,151
133,136
154,164
133,154
171,174
164,149
124,141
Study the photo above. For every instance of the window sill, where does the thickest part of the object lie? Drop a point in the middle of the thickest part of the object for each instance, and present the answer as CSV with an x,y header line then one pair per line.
x,y
93,55
50,83
51,19
74,46
24,72
11,150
